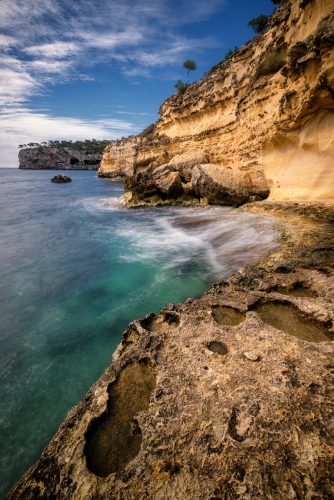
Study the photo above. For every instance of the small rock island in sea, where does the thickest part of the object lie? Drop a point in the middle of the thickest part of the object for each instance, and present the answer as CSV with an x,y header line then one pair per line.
x,y
227,396
61,179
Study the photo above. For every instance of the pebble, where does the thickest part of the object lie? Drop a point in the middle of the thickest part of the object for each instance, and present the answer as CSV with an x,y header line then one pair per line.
x,y
251,355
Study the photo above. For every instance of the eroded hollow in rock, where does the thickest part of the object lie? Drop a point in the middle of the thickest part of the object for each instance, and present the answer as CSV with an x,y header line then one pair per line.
x,y
298,290
114,439
290,320
227,316
171,318
217,347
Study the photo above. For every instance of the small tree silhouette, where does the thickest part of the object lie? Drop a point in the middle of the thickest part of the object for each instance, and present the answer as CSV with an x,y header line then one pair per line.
x,y
259,24
189,65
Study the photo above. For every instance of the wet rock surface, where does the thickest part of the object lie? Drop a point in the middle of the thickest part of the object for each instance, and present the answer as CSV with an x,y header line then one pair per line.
x,y
208,409
114,439
61,179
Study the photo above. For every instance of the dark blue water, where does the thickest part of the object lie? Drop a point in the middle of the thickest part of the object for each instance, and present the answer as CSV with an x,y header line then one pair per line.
x,y
74,271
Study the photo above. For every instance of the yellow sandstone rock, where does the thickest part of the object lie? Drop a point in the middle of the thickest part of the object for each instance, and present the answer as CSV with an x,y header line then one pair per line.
x,y
266,114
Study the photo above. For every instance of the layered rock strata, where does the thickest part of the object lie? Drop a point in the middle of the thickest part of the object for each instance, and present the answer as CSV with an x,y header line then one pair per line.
x,y
58,158
260,124
118,158
228,396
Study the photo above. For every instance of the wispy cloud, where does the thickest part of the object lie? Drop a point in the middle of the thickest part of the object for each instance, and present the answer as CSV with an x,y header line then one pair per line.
x,y
54,41
56,50
7,41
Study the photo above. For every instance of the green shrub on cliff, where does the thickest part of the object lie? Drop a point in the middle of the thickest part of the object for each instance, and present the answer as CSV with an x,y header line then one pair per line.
x,y
181,87
259,24
87,145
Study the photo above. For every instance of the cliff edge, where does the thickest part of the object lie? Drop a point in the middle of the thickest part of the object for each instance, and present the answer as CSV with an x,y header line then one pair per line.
x,y
261,124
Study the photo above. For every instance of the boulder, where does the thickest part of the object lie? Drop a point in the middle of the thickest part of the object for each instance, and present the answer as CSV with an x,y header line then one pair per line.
x,y
220,184
61,179
170,184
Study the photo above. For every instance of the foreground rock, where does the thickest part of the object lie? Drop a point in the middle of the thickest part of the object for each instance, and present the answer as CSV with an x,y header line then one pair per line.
x,y
229,396
61,179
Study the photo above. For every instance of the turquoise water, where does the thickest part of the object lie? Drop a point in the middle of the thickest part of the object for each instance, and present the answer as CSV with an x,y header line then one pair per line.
x,y
74,271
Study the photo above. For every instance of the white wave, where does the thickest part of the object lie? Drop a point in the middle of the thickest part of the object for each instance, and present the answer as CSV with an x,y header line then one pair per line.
x,y
220,240
101,204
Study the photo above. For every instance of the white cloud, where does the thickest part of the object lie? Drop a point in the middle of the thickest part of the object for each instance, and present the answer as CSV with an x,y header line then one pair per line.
x,y
7,40
55,50
49,66
128,37
16,86
16,12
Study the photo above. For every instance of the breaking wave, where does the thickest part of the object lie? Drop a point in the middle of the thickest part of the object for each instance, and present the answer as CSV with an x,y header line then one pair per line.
x,y
220,239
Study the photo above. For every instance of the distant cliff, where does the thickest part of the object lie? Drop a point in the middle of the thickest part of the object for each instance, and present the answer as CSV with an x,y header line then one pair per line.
x,y
260,124
80,155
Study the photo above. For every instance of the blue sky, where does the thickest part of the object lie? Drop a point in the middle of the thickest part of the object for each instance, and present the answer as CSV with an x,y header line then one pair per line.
x,y
100,69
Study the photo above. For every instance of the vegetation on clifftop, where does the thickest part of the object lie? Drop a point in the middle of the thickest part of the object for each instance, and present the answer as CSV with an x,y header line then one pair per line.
x,y
89,144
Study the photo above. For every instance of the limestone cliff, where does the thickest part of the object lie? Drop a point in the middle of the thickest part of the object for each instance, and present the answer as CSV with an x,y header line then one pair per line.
x,y
118,158
261,123
57,157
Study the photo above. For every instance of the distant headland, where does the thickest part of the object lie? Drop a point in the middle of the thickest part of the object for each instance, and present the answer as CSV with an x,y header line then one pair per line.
x,y
62,155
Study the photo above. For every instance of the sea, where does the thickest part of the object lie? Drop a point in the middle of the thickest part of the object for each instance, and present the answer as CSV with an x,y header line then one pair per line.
x,y
75,269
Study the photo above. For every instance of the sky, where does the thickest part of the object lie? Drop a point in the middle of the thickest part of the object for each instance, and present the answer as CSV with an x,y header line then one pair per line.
x,y
83,69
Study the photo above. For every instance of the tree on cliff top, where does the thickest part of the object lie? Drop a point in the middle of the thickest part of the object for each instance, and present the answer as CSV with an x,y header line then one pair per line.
x,y
259,24
189,65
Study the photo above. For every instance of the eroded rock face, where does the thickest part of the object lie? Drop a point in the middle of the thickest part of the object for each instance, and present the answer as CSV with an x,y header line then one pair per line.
x,y
114,439
266,113
118,158
217,397
170,184
58,158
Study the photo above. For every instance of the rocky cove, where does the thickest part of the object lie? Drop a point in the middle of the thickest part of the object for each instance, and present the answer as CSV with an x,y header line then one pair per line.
x,y
230,395
227,396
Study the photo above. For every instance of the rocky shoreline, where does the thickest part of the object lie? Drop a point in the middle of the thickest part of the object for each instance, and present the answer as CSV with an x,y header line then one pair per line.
x,y
226,396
